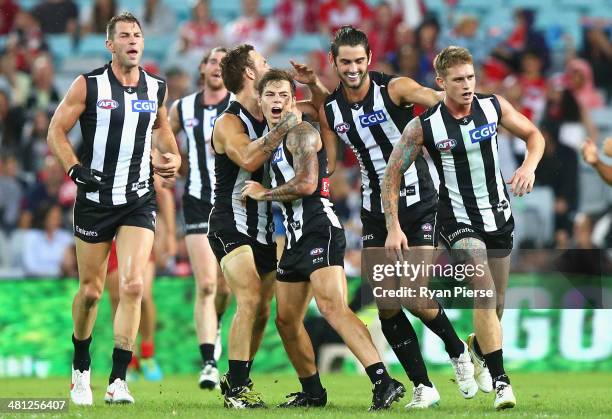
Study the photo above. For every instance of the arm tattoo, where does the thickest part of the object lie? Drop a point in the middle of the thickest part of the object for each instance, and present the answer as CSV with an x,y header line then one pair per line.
x,y
404,153
273,138
302,142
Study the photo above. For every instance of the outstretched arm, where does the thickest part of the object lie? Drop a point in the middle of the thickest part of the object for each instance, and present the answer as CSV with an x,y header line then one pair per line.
x,y
229,138
303,142
590,154
404,90
167,162
305,75
403,155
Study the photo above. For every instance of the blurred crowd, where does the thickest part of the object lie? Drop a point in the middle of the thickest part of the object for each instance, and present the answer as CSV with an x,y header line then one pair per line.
x,y
565,88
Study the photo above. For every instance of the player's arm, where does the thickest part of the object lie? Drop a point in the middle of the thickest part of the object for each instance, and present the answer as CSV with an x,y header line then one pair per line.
x,y
303,142
318,92
167,213
520,126
404,90
176,127
590,154
330,141
167,162
65,117
229,138
403,155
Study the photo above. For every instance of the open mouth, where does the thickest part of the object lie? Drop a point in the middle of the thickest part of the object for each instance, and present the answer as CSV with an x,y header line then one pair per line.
x,y
467,95
276,111
132,53
216,75
352,76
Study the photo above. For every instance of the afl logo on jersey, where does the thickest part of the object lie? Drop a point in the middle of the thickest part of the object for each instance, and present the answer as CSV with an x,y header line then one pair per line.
x,y
483,132
342,127
107,104
144,106
373,118
446,145
191,122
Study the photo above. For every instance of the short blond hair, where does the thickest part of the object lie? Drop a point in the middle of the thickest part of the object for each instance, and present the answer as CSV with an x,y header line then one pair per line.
x,y
450,57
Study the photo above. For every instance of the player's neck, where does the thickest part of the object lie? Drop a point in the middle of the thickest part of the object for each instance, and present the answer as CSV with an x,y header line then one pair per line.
x,y
213,97
357,95
127,76
457,110
248,98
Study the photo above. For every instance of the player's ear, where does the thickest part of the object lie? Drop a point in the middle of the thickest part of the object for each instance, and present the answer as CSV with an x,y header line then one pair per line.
x,y
109,45
440,82
330,58
369,57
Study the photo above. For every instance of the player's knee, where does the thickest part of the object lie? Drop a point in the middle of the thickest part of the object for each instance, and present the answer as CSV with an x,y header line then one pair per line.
x,y
331,309
285,324
248,303
132,286
91,295
263,311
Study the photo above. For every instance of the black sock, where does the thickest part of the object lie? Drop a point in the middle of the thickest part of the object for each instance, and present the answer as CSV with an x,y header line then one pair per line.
x,y
403,340
207,351
238,373
81,359
249,366
312,385
121,359
378,373
442,327
495,362
477,348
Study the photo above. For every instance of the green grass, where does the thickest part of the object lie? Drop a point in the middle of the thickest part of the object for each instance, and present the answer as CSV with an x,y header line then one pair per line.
x,y
568,394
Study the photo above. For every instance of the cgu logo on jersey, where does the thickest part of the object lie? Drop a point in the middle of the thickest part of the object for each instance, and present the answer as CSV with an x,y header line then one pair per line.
x,y
325,187
446,145
483,132
278,155
191,122
149,106
374,118
342,127
107,104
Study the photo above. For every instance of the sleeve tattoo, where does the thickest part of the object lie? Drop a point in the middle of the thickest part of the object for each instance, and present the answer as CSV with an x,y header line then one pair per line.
x,y
403,155
302,143
273,138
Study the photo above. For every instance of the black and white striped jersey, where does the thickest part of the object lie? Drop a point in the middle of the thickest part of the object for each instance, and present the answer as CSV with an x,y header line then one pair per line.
x,y
309,213
464,151
371,128
197,121
230,212
116,126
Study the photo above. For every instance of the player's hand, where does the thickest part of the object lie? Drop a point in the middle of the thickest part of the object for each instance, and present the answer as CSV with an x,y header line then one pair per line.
x,y
166,165
521,182
303,73
396,239
168,183
254,190
589,152
89,180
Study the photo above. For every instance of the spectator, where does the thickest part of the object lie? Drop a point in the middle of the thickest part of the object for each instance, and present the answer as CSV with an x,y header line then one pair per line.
x,y
95,17
252,28
407,62
382,34
427,44
50,189
15,81
47,250
178,83
11,193
334,14
26,40
597,50
43,94
579,80
590,154
297,16
57,16
533,85
34,149
156,18
466,33
9,9
11,123
201,33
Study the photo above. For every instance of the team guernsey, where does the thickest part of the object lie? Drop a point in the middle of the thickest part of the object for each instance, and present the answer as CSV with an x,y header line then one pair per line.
x,y
117,127
464,151
311,213
230,212
371,128
197,121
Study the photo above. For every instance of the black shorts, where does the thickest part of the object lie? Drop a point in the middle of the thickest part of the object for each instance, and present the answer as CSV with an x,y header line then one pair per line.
x,y
315,250
95,224
223,242
419,230
499,243
196,214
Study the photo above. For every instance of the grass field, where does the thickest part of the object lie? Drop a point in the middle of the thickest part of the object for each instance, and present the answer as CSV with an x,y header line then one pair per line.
x,y
567,394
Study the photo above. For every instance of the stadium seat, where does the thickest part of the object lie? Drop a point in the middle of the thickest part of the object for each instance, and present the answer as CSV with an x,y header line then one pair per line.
x,y
281,60
534,216
61,46
594,193
602,118
303,43
531,4
227,9
266,7
93,45
157,47
79,65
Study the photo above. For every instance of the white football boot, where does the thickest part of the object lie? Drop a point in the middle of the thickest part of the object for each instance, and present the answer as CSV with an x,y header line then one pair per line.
x,y
80,388
424,397
118,393
209,377
504,396
481,372
464,374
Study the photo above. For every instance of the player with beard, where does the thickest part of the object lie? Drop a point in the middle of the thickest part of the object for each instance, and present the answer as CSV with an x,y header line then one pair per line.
x,y
195,115
368,111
